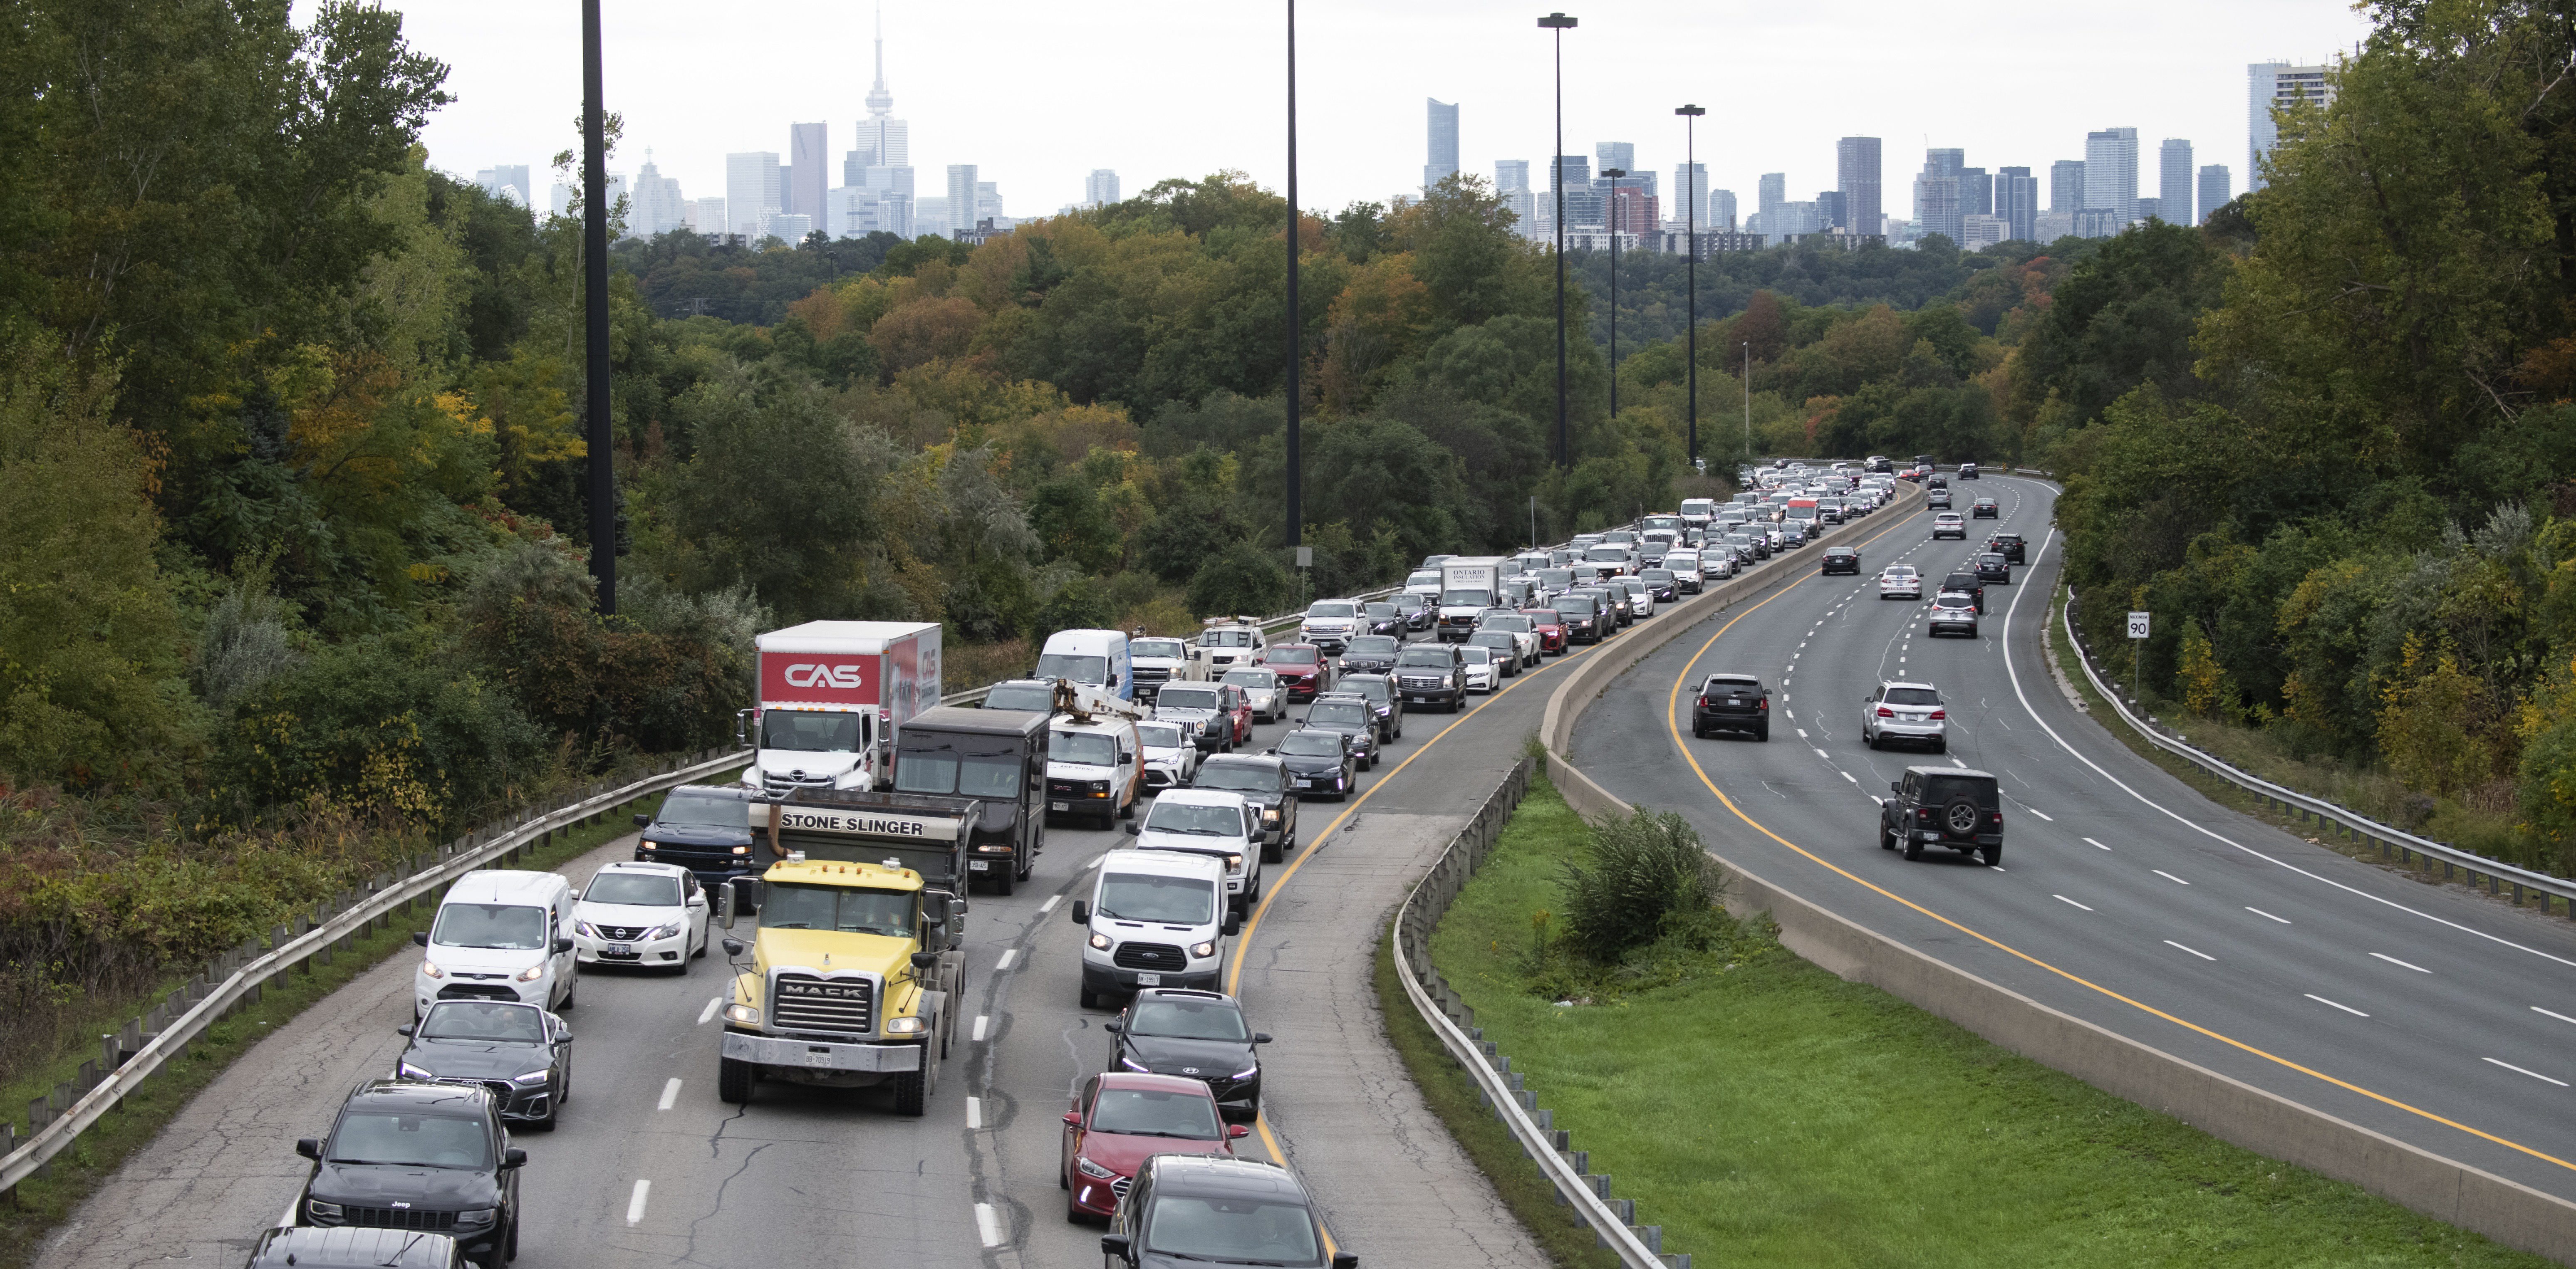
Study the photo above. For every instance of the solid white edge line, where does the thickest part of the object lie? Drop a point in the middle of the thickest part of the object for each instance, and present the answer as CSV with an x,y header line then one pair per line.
x,y
710,1010
974,1113
2063,899
982,1020
1049,905
2202,955
988,1224
2520,1071
670,1093
2177,817
2323,1001
1009,954
2400,964
635,1205
2559,1016
2268,916
2169,876
2090,842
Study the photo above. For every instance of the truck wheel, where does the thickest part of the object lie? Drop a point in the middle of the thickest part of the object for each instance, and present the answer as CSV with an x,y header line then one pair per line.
x,y
510,1245
1913,848
1270,851
1762,732
1004,883
1128,812
1886,840
733,1081
912,1088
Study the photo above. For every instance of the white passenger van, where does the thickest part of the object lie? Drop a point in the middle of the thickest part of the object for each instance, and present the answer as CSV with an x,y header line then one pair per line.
x,y
500,934
1155,918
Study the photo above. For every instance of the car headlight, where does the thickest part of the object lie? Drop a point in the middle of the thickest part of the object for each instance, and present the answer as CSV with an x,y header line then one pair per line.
x,y
648,844
532,973
1233,862
325,1211
532,1078
1245,1074
742,1015
586,928
1092,1170
1134,1065
1270,814
1203,950
477,1216
904,1026
662,931
408,1071
431,968
1100,942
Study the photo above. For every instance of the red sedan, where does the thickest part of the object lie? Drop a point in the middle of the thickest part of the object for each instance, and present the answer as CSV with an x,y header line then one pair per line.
x,y
1550,626
1303,675
1120,1119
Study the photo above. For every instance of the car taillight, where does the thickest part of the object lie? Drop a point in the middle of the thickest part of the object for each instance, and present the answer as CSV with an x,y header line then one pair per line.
x,y
1999,817
1885,712
1766,703
1939,714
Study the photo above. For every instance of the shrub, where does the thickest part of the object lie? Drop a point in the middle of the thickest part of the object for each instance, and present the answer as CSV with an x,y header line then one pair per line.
x,y
1647,876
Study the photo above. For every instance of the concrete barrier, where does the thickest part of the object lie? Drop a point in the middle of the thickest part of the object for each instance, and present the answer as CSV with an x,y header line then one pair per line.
x,y
2224,1107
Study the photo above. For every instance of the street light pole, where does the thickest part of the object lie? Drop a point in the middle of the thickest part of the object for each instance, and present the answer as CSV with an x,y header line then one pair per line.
x,y
1296,352
1614,174
594,299
1691,195
1748,401
1560,23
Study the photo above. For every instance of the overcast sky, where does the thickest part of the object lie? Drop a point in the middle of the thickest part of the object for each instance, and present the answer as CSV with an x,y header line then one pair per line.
x,y
1039,92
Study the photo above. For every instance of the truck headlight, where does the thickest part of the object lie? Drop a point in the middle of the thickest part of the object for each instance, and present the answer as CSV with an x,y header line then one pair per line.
x,y
1270,814
1100,942
1203,950
904,1026
742,850
1233,862
742,1015
648,844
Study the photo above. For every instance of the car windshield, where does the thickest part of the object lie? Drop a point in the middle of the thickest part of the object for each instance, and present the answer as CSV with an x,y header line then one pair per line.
x,y
1173,649
1425,578
1331,609
1369,645
1513,623
1312,744
1126,896
1990,561
411,1140
978,767
1652,574
1422,658
1154,1112
634,889
1383,612
1294,656
1893,570
1187,697
1037,698
482,1020
1465,598
1795,513
1346,713
1605,553
1074,666
1912,696
845,909
1546,617
1159,735
1733,685
1551,578
1368,685
1476,654
1182,1019
1227,638
1237,777
812,731
682,808
1236,1230
1195,819
1088,748
1953,601
1262,680
514,926
1491,639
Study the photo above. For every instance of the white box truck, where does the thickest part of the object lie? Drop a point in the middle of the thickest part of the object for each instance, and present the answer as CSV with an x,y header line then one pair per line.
x,y
831,695
1468,586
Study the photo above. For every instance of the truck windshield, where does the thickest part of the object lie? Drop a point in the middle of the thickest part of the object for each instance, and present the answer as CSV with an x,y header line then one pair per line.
x,y
1371,646
410,1139
1467,599
846,909
1196,820
1167,648
513,926
1232,1230
1170,900
682,808
1226,639
809,730
1088,748
1912,696
1080,669
936,764
1332,610
1606,554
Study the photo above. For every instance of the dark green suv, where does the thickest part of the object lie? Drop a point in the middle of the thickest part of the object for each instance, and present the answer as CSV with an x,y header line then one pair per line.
x,y
1944,806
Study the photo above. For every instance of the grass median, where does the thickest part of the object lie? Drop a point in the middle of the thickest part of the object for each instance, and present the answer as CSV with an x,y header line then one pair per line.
x,y
40,1204
1765,1112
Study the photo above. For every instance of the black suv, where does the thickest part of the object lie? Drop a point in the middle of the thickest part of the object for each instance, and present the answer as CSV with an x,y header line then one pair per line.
x,y
520,1052
1732,702
1381,694
1967,471
1353,716
1319,763
1944,806
408,1155
1371,654
1264,782
1840,559
1219,1208
1968,583
2009,544
1586,620
1993,567
1431,674
704,829
1197,1035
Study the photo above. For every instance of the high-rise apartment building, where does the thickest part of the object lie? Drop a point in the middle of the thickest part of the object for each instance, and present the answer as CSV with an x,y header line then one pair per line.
x,y
1771,191
1721,210
1833,209
751,192
656,206
1441,162
2214,191
809,172
1619,154
2017,203
1512,185
961,198
2174,181
1856,174
988,202
1938,204
1583,204
1100,189
2066,186
1690,193
2271,85
1976,192
2111,172
1632,210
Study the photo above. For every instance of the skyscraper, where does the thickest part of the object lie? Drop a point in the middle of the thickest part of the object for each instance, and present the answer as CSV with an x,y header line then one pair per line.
x,y
1442,160
2111,172
1583,205
2017,202
1937,203
1619,154
2066,186
751,192
2173,186
807,144
961,197
1690,193
1856,174
1100,189
1833,210
2213,190
510,182
1772,191
883,140
656,206
1721,211
1511,184
1976,192
2271,84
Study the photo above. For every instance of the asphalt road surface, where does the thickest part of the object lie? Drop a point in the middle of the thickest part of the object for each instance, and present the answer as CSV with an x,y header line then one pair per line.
x,y
2433,1014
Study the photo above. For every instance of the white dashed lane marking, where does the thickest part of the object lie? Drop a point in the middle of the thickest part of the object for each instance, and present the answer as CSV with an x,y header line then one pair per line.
x,y
670,1093
2346,1008
2400,964
2202,955
2069,902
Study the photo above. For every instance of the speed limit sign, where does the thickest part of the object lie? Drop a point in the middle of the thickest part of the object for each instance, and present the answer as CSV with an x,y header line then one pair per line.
x,y
2137,625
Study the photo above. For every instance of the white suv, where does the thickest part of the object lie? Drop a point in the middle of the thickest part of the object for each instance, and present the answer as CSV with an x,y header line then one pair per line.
x,y
1900,581
1947,524
1221,826
1905,711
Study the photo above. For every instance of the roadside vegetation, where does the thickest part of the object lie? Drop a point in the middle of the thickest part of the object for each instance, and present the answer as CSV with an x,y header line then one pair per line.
x,y
1765,1112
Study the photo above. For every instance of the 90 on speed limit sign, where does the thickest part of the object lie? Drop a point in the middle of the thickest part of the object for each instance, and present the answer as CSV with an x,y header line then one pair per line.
x,y
2137,625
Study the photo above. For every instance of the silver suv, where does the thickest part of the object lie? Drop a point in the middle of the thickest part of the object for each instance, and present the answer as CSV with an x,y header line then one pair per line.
x,y
1905,711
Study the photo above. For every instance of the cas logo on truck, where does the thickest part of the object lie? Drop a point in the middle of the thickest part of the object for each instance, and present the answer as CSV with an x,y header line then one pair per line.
x,y
824,676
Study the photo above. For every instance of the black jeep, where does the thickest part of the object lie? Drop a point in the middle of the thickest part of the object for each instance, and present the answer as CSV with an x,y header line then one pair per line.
x,y
1944,806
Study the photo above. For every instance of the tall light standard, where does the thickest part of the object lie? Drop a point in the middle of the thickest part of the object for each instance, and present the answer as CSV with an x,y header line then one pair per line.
x,y
1748,401
1614,174
1691,195
1560,23
1296,357
594,300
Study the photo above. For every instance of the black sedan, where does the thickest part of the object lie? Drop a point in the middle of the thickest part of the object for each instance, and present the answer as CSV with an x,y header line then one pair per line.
x,y
1195,1034
1371,654
1984,509
520,1052
408,1155
1353,716
1319,763
1993,567
704,829
1662,583
1839,559
1382,619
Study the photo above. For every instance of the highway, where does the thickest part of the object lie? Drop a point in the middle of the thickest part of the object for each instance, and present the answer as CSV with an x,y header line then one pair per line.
x,y
2432,1014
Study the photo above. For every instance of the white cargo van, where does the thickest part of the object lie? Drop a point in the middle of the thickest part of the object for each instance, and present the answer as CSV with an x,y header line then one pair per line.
x,y
1094,768
1097,658
1155,919
500,934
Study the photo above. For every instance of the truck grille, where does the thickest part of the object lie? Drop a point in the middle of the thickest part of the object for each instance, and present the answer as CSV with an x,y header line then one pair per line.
x,y
1410,681
398,1218
808,1002
1149,956
1152,674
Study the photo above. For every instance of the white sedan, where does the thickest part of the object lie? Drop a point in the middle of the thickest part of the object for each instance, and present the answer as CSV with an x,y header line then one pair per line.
x,y
1171,755
1269,700
1900,581
1483,672
635,913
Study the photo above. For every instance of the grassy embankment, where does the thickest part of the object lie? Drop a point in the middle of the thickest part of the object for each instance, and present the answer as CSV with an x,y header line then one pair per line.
x,y
1765,1112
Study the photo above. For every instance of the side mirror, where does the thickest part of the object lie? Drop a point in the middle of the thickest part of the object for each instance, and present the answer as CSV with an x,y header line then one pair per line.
x,y
1261,1037
642,820
1113,1028
1233,924
420,938
733,947
309,1147
1081,912
1135,829
563,945
724,906
1114,1245
1896,786
1073,1118
924,960
514,1157
1238,1130
404,1029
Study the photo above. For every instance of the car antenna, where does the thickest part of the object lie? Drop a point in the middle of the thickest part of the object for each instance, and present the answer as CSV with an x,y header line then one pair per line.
x,y
399,1253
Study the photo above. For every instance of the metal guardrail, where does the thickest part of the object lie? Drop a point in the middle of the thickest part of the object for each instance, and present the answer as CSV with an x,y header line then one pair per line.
x,y
2394,843
133,1055
1569,1170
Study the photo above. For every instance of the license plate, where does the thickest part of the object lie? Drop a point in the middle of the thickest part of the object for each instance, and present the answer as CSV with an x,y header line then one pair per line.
x,y
618,949
1419,700
1059,806
978,865
818,1057
1149,980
